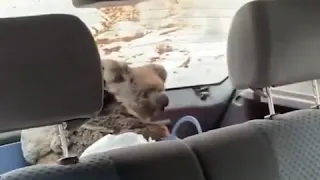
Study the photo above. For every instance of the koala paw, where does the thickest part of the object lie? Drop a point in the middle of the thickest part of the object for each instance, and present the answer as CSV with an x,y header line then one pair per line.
x,y
155,131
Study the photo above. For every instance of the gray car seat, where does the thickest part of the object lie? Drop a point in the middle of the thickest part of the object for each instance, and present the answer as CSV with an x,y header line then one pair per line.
x,y
271,43
73,55
170,160
47,77
50,72
286,149
76,74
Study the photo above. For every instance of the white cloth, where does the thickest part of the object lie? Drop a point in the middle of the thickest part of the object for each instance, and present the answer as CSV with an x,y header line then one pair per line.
x,y
110,141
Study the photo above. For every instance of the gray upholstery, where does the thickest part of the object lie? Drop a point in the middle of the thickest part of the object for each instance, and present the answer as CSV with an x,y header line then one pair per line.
x,y
274,43
168,160
238,152
50,71
295,138
270,43
96,167
286,148
171,160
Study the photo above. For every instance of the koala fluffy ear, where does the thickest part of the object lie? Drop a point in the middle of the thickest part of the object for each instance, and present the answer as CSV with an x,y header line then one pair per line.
x,y
160,70
115,71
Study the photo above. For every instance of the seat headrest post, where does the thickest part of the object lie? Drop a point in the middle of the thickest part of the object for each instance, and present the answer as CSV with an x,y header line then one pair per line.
x,y
270,103
316,94
63,140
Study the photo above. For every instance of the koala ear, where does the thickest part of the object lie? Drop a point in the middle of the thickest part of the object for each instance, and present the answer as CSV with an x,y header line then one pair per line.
x,y
115,71
160,70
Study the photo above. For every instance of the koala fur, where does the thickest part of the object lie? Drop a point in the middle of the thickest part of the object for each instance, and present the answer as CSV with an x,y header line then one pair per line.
x,y
133,97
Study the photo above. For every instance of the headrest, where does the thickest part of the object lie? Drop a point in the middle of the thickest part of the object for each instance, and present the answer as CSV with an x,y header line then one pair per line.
x,y
50,71
273,43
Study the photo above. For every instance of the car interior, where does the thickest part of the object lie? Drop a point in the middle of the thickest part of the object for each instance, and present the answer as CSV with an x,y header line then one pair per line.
x,y
260,123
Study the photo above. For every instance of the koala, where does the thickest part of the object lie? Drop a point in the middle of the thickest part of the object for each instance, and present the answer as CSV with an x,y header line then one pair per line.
x,y
139,89
133,95
31,138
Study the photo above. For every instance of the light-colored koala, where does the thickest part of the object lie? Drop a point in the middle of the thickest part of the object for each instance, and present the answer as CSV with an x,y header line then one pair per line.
x,y
133,97
31,138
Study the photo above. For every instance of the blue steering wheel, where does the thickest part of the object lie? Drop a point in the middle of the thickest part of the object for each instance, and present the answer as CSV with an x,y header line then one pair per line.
x,y
184,119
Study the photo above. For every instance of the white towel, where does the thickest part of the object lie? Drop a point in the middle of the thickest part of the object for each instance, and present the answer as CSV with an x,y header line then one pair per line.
x,y
110,141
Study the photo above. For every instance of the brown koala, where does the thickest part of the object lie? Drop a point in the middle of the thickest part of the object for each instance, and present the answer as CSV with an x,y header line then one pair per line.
x,y
133,96
138,94
140,89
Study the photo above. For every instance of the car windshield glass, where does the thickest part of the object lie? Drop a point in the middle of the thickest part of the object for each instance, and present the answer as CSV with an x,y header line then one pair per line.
x,y
188,37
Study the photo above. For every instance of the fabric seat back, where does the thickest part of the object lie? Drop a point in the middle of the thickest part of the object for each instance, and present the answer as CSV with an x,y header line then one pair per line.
x,y
50,71
271,43
285,148
170,160
239,152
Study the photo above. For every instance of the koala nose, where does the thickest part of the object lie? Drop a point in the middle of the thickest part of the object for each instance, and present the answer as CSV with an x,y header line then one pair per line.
x,y
160,100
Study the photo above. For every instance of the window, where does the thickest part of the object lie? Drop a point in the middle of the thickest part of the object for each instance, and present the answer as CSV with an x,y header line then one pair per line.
x,y
188,37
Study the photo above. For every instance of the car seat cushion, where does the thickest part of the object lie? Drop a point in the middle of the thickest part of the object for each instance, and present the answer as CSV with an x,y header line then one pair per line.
x,y
235,152
164,160
295,138
95,166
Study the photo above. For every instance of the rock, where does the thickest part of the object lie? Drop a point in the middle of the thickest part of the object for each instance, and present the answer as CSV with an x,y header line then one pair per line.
x,y
117,56
163,47
123,31
113,47
169,23
173,60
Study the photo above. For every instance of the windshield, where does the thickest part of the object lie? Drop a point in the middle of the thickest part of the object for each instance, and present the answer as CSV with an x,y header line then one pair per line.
x,y
187,37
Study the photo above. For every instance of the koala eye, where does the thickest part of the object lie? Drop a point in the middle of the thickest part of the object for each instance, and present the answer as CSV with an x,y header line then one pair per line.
x,y
146,93
154,89
126,69
118,79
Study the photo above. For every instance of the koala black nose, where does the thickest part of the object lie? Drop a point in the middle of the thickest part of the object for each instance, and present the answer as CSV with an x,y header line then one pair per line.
x,y
160,100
